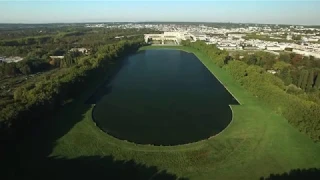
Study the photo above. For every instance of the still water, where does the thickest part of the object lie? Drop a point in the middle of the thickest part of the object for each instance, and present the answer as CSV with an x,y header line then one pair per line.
x,y
163,97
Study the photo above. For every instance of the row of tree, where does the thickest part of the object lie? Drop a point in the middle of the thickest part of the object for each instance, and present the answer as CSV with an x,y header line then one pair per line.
x,y
34,64
25,67
284,98
63,40
36,100
26,41
296,70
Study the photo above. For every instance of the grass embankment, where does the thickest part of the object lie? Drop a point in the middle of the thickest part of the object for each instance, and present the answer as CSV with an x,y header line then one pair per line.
x,y
257,142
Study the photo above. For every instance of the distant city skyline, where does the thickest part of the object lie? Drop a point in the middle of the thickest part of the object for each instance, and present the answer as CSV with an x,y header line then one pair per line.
x,y
265,12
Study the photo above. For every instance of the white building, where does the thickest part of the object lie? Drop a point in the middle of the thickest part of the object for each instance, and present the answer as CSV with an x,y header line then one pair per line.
x,y
228,47
274,48
307,53
239,36
272,71
310,39
172,36
82,50
11,59
199,36
56,57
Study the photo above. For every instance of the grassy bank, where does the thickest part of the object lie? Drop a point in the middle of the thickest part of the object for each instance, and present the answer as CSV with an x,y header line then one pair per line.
x,y
257,142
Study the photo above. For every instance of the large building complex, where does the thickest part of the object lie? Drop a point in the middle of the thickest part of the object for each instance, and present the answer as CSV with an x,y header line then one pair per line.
x,y
175,37
271,39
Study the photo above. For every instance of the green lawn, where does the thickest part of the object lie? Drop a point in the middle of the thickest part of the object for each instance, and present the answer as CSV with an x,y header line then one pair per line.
x,y
256,143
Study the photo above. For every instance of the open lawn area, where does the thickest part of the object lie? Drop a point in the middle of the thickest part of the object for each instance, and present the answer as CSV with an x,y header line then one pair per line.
x,y
257,142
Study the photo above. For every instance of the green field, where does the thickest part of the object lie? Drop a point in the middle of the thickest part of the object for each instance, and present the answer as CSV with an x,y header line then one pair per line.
x,y
257,143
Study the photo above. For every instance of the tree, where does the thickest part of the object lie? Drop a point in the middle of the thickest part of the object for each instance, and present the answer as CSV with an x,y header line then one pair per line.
x,y
295,74
317,82
310,81
301,76
25,69
284,71
292,89
285,75
296,60
252,60
58,52
30,41
10,69
306,62
285,57
237,69
304,80
297,37
220,61
280,65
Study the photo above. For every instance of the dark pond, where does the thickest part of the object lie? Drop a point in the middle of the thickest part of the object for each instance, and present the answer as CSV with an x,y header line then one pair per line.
x,y
163,97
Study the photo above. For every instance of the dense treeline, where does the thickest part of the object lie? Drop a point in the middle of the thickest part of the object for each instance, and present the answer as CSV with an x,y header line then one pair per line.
x,y
302,73
26,41
51,41
35,64
34,101
25,67
36,57
60,41
283,97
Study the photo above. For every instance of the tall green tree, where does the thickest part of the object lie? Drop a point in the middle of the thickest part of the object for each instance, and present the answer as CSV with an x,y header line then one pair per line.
x,y
252,60
310,81
304,79
317,82
285,75
301,76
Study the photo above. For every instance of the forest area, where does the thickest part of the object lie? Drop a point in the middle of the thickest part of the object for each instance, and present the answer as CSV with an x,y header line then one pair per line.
x,y
301,74
293,91
37,86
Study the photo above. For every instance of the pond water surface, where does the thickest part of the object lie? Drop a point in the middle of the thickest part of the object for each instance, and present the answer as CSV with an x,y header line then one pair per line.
x,y
163,97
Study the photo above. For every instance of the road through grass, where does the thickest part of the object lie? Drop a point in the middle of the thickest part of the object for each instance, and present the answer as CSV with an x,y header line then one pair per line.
x,y
256,143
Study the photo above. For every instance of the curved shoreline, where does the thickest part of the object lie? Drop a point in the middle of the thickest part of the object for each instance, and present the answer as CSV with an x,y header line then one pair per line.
x,y
164,146
257,143
176,145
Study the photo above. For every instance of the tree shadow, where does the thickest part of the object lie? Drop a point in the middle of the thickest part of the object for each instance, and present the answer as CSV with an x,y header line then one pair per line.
x,y
310,174
100,92
27,155
94,167
106,88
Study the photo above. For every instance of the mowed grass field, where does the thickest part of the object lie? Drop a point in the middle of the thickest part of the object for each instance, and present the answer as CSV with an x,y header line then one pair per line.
x,y
257,142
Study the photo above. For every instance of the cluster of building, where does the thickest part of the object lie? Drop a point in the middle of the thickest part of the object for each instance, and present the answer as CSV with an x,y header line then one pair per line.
x,y
15,59
230,43
81,50
272,39
94,25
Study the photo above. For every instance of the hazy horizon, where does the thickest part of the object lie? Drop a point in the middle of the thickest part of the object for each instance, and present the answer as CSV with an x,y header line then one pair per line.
x,y
259,12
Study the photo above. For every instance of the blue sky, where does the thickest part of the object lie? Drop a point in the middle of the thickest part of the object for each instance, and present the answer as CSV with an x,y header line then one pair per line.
x,y
46,11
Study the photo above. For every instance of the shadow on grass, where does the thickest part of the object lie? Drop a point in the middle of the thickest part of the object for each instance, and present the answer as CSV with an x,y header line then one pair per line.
x,y
95,167
100,92
295,174
27,157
